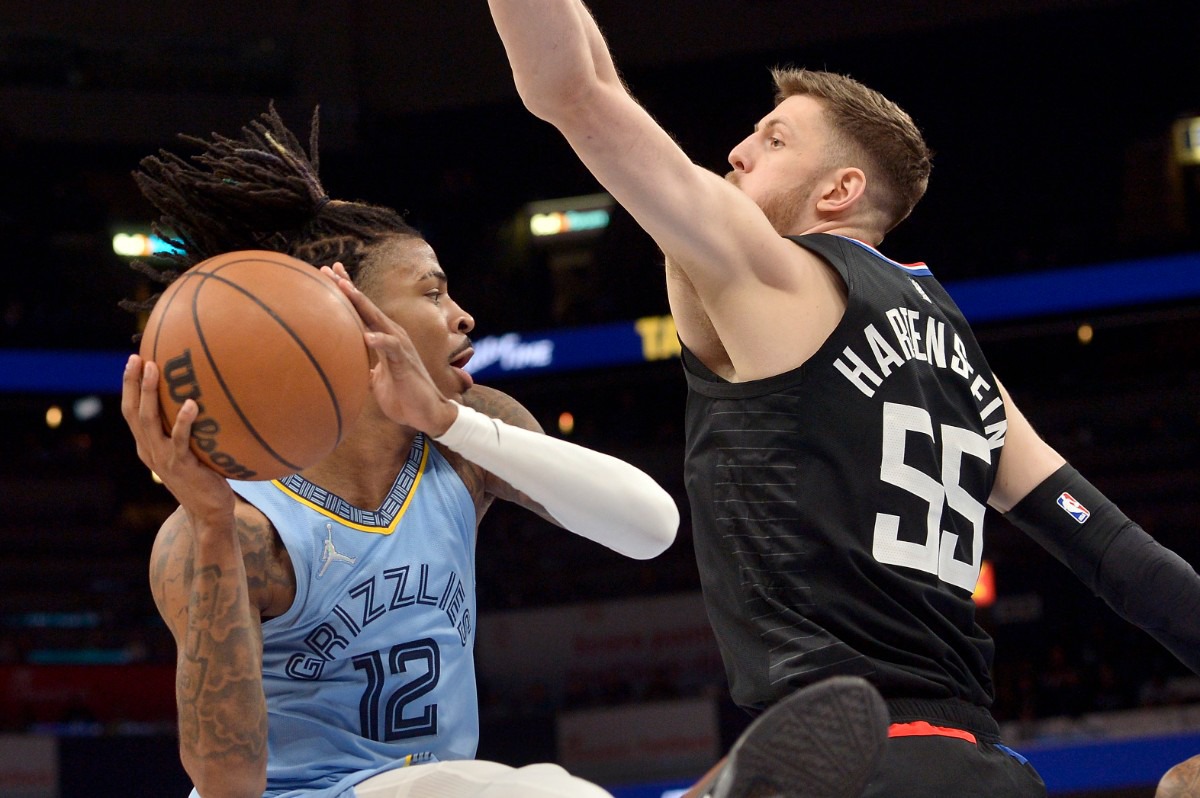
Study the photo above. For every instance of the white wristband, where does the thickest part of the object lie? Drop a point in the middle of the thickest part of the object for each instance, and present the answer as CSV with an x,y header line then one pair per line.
x,y
589,493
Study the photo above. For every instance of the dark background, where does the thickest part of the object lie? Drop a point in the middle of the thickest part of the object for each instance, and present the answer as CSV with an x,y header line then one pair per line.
x,y
1050,122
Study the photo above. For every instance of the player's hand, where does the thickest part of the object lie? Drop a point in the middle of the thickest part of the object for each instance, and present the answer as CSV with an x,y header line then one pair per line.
x,y
200,490
399,380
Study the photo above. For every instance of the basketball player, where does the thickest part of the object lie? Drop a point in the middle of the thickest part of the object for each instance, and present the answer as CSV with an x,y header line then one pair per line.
x,y
844,431
325,622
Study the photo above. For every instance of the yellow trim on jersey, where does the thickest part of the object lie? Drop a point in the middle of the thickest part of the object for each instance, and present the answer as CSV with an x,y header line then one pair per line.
x,y
378,530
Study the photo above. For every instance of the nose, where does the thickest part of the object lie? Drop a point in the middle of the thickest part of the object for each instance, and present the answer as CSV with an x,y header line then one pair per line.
x,y
462,321
739,157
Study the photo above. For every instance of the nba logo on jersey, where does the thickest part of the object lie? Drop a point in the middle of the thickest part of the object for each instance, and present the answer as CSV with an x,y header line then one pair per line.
x,y
1074,508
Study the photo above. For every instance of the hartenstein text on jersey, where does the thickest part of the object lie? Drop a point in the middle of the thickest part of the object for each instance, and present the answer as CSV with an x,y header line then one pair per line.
x,y
919,337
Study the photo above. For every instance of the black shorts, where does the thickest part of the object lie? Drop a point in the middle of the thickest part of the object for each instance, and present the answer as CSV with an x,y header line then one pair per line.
x,y
943,748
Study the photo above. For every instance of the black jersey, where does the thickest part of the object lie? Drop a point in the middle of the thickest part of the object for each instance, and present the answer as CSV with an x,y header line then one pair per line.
x,y
838,508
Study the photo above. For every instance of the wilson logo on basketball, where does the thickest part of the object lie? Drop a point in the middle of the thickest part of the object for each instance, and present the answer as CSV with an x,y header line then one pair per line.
x,y
180,376
278,352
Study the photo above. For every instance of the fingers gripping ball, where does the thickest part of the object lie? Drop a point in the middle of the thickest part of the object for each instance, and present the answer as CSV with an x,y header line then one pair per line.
x,y
273,354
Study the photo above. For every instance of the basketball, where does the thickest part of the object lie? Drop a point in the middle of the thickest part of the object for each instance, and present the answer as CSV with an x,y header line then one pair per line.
x,y
273,354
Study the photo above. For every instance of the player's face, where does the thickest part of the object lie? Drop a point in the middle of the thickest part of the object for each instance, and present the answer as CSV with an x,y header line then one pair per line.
x,y
780,165
407,283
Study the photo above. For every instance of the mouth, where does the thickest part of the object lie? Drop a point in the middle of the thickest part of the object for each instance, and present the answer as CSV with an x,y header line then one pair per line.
x,y
459,360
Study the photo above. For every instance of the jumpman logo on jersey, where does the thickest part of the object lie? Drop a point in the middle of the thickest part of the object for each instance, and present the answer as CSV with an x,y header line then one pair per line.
x,y
330,554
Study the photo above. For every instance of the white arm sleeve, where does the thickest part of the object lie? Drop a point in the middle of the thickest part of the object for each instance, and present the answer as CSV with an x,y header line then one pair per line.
x,y
589,493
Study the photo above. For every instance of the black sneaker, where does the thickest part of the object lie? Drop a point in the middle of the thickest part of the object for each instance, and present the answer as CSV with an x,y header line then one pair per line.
x,y
824,741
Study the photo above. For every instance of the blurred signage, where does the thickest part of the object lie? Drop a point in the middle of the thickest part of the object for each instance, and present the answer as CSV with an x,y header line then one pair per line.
x,y
569,218
578,646
28,766
52,695
646,339
634,742
984,300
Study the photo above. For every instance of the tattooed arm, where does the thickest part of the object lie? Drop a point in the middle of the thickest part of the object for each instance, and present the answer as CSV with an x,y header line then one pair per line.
x,y
205,560
199,578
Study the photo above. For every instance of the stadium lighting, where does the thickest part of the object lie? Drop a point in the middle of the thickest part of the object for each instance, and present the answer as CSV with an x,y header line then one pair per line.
x,y
1186,135
139,244
572,217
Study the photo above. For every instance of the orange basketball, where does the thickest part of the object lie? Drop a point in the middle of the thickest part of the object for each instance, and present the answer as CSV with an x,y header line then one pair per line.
x,y
271,351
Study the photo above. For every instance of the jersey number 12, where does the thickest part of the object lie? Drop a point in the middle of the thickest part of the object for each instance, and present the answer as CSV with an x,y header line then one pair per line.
x,y
391,724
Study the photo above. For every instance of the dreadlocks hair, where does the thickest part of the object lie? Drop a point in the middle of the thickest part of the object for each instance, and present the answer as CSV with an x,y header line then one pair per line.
x,y
259,191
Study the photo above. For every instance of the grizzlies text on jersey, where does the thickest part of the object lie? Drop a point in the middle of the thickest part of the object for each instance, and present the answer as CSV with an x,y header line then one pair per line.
x,y
372,666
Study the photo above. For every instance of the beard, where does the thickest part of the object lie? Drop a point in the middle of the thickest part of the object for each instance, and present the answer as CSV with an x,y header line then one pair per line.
x,y
783,208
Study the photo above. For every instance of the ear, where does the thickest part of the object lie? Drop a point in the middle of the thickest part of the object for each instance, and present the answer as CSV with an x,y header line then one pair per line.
x,y
846,187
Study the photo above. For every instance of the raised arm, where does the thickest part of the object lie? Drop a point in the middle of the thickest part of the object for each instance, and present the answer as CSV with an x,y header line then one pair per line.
x,y
200,586
565,75
557,53
737,289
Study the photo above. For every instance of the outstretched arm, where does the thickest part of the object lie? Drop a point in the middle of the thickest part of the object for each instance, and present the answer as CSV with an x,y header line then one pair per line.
x,y
558,55
587,492
737,289
565,75
1145,583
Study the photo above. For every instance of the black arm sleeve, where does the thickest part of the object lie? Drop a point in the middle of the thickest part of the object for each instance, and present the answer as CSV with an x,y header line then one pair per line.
x,y
1145,583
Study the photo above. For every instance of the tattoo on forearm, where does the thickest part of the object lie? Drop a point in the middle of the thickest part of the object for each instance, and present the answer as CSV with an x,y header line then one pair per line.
x,y
222,712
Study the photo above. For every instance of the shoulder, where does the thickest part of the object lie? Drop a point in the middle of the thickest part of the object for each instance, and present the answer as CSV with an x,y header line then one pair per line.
x,y
499,405
269,573
1180,781
842,253
483,486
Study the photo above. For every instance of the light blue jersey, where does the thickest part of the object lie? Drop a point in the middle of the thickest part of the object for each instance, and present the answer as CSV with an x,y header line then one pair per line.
x,y
372,667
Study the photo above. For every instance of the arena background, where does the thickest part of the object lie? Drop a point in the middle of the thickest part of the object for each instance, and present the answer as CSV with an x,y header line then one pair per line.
x,y
1058,127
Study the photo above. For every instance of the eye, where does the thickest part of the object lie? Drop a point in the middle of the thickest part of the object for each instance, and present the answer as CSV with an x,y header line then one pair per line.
x,y
774,143
435,295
